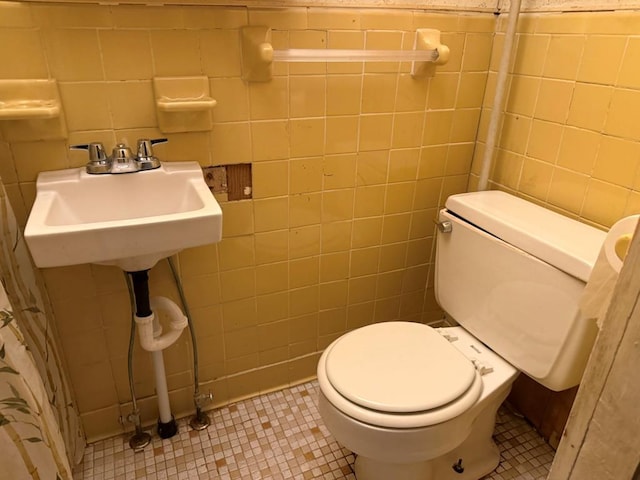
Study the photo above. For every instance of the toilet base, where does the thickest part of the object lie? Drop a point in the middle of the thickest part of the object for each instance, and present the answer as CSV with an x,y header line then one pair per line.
x,y
479,455
421,454
370,469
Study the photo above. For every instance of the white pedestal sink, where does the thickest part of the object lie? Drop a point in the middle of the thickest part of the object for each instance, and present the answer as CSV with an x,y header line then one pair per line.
x,y
130,220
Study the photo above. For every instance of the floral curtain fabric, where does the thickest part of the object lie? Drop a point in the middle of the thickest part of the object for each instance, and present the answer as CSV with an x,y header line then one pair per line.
x,y
40,431
30,443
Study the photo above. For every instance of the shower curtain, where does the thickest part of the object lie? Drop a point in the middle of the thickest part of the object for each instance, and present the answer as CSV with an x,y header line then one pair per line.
x,y
40,431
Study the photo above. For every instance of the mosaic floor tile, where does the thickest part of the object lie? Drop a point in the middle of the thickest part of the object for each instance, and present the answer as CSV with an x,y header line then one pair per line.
x,y
279,436
524,455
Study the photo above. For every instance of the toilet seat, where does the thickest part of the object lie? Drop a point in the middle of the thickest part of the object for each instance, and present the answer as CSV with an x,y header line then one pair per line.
x,y
392,367
399,375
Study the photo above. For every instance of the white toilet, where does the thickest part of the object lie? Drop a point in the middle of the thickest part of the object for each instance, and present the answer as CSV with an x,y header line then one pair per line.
x,y
418,403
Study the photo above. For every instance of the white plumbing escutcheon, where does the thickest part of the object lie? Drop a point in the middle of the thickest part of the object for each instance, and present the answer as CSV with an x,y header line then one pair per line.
x,y
149,325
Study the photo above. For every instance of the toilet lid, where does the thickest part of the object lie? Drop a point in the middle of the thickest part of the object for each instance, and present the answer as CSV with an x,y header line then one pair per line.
x,y
398,367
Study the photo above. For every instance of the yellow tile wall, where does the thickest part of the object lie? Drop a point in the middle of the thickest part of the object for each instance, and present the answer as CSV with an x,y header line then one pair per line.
x,y
570,138
350,164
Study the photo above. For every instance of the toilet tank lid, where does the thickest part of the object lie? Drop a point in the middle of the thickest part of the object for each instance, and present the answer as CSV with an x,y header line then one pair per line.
x,y
567,244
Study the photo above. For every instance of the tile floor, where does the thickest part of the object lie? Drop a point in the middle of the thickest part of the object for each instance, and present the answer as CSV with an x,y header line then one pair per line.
x,y
279,436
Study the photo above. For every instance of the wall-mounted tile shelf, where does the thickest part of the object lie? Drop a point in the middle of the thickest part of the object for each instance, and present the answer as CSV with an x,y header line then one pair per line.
x,y
183,104
30,109
23,109
20,99
258,54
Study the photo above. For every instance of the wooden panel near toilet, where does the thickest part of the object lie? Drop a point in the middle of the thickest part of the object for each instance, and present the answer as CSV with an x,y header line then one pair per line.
x,y
545,409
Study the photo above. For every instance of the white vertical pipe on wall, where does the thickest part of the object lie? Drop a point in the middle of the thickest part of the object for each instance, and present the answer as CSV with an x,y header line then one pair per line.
x,y
164,407
498,99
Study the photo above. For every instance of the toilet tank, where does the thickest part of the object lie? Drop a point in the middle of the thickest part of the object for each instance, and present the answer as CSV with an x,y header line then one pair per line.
x,y
512,273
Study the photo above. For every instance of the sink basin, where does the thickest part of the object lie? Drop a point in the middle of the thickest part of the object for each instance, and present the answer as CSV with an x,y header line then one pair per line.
x,y
131,220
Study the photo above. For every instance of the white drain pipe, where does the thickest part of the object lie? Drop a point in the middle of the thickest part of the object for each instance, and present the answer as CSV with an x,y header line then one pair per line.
x,y
150,330
152,340
162,390
498,99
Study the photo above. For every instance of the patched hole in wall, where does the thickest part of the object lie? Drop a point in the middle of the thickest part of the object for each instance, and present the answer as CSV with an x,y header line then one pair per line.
x,y
232,180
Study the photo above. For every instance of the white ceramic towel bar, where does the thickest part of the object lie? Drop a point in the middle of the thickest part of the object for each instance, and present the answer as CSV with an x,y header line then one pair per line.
x,y
258,54
339,55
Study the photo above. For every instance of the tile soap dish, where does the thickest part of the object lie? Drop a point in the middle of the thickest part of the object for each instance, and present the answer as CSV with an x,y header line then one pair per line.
x,y
22,99
30,109
183,104
23,109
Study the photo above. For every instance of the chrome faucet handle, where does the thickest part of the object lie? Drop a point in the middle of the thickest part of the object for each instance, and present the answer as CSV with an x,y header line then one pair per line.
x,y
98,160
146,159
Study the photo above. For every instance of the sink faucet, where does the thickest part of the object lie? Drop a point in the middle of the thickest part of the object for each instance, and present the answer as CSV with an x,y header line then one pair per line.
x,y
122,159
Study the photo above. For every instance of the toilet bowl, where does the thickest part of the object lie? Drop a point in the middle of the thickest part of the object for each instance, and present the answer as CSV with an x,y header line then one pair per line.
x,y
389,412
418,403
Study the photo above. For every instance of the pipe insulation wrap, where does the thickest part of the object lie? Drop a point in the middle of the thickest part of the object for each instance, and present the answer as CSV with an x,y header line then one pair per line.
x,y
150,330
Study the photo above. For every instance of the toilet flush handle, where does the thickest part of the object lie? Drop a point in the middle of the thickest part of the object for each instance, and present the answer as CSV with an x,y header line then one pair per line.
x,y
444,227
